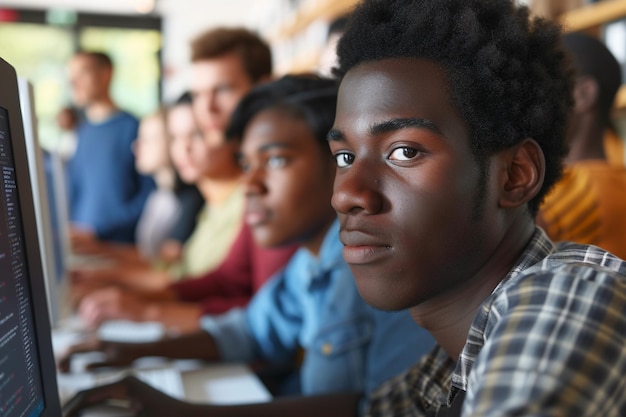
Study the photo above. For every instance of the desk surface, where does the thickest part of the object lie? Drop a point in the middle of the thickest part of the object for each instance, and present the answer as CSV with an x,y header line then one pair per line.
x,y
220,383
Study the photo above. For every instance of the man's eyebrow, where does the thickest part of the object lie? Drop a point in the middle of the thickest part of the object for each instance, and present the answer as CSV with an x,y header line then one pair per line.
x,y
275,145
393,125
267,147
335,135
388,126
240,157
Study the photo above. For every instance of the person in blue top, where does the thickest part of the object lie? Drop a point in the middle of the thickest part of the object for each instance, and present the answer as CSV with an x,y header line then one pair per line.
x,y
313,304
106,192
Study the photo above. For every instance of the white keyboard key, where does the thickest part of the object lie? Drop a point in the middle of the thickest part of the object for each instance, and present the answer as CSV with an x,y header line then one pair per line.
x,y
167,380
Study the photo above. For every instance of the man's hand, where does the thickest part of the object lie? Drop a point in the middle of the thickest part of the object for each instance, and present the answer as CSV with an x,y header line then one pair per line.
x,y
113,303
171,251
83,240
142,399
115,353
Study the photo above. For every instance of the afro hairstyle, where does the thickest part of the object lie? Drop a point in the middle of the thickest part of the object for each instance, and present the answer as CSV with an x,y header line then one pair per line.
x,y
508,73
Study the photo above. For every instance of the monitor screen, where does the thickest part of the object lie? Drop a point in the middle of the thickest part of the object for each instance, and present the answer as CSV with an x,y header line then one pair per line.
x,y
27,373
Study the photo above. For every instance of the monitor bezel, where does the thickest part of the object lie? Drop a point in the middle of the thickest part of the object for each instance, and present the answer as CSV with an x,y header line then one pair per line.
x,y
9,100
39,186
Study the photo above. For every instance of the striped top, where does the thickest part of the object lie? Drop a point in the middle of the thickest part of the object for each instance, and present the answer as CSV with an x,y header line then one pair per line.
x,y
587,206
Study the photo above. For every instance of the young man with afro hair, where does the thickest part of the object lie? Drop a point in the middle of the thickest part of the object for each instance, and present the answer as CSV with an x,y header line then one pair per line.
x,y
449,130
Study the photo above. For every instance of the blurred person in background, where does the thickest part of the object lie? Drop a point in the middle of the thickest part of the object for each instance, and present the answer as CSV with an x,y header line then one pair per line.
x,y
226,63
179,305
181,127
313,304
106,192
588,204
165,205
68,118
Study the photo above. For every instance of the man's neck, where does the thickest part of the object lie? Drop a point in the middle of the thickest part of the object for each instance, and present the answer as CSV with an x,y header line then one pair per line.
x,y
586,140
216,192
99,111
449,316
165,178
586,150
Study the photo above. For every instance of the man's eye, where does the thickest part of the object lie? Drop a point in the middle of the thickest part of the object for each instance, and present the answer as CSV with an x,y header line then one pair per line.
x,y
276,162
403,154
344,159
244,166
224,88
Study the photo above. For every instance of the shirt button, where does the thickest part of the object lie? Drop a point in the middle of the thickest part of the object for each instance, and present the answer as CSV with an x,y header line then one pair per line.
x,y
327,348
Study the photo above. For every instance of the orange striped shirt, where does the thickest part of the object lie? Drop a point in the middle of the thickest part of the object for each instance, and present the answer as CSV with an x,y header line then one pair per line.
x,y
588,206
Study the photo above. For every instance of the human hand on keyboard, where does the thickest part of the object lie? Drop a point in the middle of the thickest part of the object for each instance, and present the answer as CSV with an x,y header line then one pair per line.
x,y
113,303
115,353
140,399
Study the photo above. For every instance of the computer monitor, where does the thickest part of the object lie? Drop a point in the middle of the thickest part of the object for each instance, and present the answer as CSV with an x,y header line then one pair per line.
x,y
56,179
28,384
49,237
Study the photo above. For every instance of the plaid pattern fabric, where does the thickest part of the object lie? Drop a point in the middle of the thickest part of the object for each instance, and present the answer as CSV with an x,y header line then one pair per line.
x,y
549,341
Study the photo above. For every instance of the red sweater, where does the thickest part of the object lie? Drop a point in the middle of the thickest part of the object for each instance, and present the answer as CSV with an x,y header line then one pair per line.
x,y
245,269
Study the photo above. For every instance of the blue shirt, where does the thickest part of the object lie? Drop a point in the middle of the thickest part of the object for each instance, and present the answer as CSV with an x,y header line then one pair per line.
x,y
106,193
314,304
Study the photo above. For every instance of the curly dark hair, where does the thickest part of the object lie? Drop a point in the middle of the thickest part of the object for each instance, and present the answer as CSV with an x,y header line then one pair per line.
x,y
508,73
306,96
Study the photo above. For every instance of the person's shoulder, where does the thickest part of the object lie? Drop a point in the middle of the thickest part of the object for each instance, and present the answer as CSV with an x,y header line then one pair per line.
x,y
125,115
125,119
571,270
570,256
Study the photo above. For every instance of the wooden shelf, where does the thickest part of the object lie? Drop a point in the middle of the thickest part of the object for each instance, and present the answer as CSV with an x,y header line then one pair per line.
x,y
580,19
585,18
593,15
312,11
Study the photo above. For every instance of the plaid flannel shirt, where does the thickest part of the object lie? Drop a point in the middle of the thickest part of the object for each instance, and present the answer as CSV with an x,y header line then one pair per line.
x,y
549,341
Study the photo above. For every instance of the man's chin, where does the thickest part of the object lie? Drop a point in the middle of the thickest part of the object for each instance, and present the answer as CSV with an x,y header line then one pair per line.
x,y
380,297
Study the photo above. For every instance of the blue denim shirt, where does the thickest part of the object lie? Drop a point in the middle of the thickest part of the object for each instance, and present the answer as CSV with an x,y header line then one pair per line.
x,y
314,304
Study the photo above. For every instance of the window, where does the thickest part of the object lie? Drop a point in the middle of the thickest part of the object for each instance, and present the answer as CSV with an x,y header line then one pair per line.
x,y
40,43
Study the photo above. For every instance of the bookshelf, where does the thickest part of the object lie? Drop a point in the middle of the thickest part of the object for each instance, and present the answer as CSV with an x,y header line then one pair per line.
x,y
593,15
589,18
300,35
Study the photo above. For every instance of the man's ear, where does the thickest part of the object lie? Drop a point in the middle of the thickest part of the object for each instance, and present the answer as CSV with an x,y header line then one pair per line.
x,y
586,91
525,169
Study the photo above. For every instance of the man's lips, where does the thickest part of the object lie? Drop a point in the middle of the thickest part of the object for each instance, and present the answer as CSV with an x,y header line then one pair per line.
x,y
363,248
256,217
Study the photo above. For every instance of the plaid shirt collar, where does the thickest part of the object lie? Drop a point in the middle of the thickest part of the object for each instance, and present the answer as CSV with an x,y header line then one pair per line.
x,y
438,372
539,247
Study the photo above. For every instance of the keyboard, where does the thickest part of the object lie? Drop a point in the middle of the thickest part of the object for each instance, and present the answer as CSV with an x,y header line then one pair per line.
x,y
166,380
